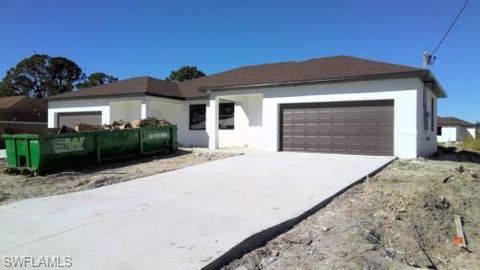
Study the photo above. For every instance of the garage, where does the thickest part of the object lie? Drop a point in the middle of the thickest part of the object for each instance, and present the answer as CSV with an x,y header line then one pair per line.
x,y
359,127
72,119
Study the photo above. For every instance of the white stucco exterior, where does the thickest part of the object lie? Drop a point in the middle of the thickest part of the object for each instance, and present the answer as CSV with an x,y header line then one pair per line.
x,y
456,133
472,131
426,121
177,112
85,105
262,131
132,108
449,134
257,112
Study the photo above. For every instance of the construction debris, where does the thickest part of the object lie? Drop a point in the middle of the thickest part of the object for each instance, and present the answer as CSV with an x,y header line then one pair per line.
x,y
447,179
459,238
85,127
153,122
135,123
115,125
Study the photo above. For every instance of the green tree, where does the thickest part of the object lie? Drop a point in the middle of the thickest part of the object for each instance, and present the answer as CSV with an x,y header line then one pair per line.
x,y
41,76
185,73
97,78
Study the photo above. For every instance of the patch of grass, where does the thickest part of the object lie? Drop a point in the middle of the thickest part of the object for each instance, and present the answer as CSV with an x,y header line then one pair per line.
x,y
471,144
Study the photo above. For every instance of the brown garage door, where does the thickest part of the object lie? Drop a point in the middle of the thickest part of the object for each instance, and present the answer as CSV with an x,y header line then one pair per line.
x,y
363,128
73,119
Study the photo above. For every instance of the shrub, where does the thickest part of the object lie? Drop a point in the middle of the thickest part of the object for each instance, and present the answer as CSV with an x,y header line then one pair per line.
x,y
471,144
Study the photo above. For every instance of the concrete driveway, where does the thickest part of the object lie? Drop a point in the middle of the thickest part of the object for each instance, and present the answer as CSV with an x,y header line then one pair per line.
x,y
184,219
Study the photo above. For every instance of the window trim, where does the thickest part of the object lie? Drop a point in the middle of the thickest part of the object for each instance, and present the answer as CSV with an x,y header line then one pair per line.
x,y
190,116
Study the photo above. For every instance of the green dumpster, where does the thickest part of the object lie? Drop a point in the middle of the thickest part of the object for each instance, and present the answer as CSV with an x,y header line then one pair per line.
x,y
71,150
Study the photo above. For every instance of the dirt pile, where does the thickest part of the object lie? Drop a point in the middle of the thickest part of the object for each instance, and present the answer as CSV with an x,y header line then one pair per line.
x,y
402,218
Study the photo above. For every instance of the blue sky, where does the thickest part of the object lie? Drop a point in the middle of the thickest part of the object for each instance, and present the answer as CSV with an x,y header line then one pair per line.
x,y
133,38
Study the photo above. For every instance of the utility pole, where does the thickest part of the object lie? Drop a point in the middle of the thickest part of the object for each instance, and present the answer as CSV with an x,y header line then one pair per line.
x,y
428,60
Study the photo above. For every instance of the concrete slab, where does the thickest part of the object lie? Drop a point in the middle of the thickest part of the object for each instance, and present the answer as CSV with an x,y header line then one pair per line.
x,y
183,219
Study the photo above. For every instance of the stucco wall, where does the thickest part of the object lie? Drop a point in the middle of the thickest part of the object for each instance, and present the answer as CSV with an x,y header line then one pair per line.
x,y
456,134
404,92
257,112
239,136
248,122
427,134
462,133
449,134
127,109
473,132
255,121
178,112
81,105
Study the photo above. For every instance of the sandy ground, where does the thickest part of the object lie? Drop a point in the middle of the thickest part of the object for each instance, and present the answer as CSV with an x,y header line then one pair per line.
x,y
402,218
17,187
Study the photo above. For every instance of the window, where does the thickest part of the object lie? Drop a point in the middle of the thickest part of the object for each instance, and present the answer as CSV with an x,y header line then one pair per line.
x,y
439,131
432,107
226,116
197,116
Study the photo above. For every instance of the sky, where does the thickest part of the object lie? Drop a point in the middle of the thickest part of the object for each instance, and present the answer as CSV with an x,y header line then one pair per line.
x,y
136,38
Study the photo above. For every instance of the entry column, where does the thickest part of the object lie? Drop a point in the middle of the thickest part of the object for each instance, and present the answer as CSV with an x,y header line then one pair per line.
x,y
212,122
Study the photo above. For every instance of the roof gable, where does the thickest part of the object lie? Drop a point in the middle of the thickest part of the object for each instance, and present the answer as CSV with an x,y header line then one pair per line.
x,y
453,121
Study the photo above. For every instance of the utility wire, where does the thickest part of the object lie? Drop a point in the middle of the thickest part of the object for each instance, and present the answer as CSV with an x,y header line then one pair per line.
x,y
450,27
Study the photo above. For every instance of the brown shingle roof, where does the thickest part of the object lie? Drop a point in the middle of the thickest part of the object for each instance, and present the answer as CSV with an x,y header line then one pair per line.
x,y
133,86
315,70
453,121
7,102
319,69
23,108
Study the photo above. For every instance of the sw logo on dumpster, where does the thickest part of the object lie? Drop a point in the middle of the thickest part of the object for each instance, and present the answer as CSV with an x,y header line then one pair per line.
x,y
65,145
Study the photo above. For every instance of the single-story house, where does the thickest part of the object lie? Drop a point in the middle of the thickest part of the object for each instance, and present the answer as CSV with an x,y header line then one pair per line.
x,y
337,104
23,109
452,129
22,114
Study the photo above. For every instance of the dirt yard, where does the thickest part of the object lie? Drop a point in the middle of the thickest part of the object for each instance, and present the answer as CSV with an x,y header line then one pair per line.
x,y
17,187
402,218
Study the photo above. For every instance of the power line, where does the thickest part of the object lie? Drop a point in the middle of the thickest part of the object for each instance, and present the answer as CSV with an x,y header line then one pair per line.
x,y
450,27
429,58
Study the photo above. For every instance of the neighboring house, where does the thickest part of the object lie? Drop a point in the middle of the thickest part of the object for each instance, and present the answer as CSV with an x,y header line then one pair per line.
x,y
22,114
338,104
451,129
23,109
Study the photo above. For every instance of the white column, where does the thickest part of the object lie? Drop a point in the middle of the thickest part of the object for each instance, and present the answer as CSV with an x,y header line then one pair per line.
x,y
51,118
212,122
106,115
143,110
